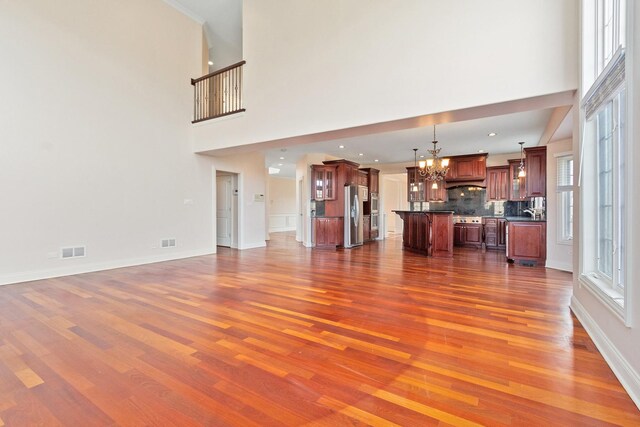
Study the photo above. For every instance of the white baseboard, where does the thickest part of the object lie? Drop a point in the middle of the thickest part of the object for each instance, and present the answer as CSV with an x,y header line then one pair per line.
x,y
626,374
253,245
98,266
564,266
278,229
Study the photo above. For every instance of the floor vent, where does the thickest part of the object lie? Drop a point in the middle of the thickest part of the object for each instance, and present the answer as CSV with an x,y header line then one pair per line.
x,y
168,243
77,252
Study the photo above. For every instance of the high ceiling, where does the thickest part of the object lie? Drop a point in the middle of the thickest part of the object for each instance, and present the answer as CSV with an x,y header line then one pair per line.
x,y
222,21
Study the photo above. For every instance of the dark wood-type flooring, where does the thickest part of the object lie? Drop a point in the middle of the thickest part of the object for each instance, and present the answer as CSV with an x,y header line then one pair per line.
x,y
286,335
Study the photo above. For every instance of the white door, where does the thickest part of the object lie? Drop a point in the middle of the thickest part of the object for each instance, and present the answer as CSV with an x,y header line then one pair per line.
x,y
223,210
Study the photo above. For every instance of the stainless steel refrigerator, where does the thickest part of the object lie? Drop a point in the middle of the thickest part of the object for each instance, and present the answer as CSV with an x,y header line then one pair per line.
x,y
354,196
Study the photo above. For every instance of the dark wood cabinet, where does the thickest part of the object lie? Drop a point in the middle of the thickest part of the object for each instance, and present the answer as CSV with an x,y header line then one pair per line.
x,y
498,183
428,233
491,233
415,186
366,227
536,170
502,233
419,189
517,185
527,241
495,233
438,194
363,178
467,168
467,235
328,232
323,182
374,180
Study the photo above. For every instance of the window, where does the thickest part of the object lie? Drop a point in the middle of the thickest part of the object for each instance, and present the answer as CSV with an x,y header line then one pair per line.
x,y
609,30
603,147
565,198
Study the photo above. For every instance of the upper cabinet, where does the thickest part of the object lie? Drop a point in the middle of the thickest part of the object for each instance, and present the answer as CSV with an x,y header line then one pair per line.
x,y
373,180
467,168
517,185
415,186
420,189
323,182
536,170
363,178
498,183
437,194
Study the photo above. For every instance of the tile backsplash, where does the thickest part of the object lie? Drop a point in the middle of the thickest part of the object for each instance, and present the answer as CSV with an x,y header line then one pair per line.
x,y
470,201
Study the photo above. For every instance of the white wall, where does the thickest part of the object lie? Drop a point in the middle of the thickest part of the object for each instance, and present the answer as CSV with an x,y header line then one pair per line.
x,y
282,203
559,255
394,197
617,343
370,61
94,136
251,182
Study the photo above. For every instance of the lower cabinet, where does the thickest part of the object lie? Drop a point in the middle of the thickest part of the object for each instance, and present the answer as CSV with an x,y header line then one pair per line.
x,y
467,235
328,232
502,233
527,242
495,233
366,228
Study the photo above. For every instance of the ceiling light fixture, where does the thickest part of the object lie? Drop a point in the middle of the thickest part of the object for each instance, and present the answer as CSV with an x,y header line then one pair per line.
x,y
480,151
521,171
360,154
341,146
281,158
279,164
376,160
210,62
491,134
435,168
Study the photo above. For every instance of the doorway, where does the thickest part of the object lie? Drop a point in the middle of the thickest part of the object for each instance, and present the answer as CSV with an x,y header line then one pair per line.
x,y
226,209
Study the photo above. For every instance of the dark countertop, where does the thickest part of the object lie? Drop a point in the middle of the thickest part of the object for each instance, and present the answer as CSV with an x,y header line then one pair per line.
x,y
325,216
523,219
429,211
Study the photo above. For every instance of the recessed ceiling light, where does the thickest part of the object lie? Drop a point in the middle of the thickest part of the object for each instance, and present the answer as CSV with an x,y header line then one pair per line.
x,y
360,154
281,158
341,146
491,134
480,151
376,160
422,156
279,164
210,62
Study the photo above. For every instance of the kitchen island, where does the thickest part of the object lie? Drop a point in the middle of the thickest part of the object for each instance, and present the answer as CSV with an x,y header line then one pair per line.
x,y
428,232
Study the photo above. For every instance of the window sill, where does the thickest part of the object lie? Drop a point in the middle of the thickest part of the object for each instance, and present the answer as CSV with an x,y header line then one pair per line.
x,y
611,298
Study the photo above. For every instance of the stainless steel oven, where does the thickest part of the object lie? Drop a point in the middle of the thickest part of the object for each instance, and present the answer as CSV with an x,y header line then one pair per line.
x,y
374,202
375,221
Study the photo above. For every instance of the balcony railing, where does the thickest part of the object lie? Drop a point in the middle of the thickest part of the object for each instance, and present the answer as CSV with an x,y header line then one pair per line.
x,y
218,94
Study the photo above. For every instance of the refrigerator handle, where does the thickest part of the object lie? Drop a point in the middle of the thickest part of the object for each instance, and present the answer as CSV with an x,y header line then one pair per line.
x,y
356,216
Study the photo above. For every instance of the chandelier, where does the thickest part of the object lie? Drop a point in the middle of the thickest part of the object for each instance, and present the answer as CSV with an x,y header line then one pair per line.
x,y
434,169
521,172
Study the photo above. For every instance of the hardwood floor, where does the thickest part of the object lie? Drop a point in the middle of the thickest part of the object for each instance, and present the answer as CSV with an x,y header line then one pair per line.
x,y
290,336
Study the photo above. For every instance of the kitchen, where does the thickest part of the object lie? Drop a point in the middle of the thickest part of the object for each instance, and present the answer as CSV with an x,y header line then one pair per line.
x,y
498,208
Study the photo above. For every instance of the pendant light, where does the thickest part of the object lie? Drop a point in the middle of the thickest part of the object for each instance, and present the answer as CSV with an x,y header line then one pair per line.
x,y
521,171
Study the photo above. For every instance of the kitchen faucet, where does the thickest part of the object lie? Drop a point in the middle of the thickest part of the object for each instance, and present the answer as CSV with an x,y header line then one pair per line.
x,y
530,212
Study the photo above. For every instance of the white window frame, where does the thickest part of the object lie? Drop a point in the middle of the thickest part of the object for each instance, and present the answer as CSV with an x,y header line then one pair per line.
x,y
602,82
561,190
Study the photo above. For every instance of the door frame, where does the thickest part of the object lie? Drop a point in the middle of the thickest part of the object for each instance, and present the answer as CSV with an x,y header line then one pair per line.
x,y
236,230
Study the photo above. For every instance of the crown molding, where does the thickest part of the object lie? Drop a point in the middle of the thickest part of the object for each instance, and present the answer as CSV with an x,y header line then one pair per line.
x,y
185,10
